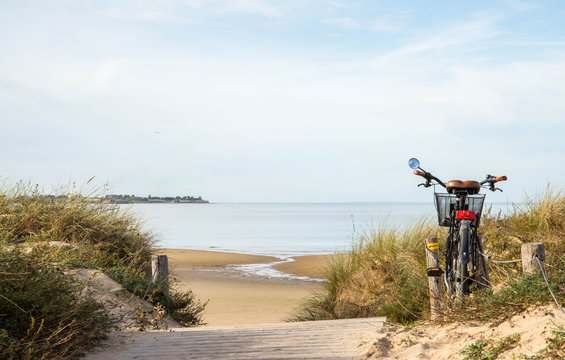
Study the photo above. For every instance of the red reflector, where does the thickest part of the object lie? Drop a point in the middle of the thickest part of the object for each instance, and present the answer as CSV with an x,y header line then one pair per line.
x,y
465,215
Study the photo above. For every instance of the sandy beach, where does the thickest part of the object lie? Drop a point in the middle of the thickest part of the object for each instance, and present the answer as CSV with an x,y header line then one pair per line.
x,y
236,297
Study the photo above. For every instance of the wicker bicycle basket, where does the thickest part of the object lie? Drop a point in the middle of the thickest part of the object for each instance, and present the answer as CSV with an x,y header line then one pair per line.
x,y
445,205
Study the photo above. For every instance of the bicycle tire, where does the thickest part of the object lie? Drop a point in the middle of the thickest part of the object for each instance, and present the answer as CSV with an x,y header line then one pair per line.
x,y
462,259
481,276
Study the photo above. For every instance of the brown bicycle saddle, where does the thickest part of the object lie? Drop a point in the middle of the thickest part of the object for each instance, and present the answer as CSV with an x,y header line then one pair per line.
x,y
469,186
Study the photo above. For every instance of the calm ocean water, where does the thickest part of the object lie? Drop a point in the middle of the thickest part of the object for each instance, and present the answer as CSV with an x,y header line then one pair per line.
x,y
278,229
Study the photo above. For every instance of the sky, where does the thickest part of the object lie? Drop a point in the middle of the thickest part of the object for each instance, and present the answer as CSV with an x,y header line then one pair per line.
x,y
282,101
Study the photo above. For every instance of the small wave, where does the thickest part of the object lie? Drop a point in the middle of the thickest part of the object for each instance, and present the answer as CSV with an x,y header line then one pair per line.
x,y
267,270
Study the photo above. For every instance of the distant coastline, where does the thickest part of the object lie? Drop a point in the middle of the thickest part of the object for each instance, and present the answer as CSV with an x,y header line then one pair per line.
x,y
132,199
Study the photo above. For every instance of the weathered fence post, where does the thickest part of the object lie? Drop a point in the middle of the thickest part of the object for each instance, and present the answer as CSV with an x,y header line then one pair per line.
x,y
160,267
529,253
434,282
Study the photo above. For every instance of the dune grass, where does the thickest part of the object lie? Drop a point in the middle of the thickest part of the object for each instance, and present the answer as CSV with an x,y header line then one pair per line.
x,y
41,236
385,273
380,277
41,313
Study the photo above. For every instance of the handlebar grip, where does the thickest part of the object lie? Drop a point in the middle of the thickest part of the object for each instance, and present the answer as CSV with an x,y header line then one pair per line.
x,y
419,173
500,178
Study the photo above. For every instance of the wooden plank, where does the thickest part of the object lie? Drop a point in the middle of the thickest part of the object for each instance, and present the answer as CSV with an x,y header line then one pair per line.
x,y
294,325
280,332
333,339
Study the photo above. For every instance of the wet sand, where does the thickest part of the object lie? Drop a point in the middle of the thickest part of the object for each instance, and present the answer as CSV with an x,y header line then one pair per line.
x,y
236,297
309,265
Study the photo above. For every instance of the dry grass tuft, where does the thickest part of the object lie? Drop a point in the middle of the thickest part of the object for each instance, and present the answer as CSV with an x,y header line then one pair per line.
x,y
382,275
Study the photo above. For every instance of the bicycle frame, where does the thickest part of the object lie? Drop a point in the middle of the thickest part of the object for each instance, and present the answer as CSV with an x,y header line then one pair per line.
x,y
460,244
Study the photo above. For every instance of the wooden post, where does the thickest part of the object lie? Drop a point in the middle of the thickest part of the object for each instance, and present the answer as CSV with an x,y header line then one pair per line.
x,y
160,267
529,253
434,282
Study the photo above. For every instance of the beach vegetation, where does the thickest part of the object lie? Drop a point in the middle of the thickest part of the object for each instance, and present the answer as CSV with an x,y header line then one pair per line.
x,y
184,307
489,349
42,314
385,272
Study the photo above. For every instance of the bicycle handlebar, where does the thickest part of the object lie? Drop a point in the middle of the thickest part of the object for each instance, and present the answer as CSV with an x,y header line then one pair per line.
x,y
491,180
429,177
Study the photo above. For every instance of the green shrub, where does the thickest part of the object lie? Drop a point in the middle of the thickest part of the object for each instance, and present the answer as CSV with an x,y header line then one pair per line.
x,y
183,306
42,315
489,349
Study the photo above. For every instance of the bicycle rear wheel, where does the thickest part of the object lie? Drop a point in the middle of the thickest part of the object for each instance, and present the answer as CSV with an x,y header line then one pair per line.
x,y
462,260
481,275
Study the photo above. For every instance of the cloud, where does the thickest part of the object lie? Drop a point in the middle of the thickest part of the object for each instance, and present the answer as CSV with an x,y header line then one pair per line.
x,y
185,11
520,6
479,29
103,73
345,22
64,78
337,5
386,25
259,7
390,23
147,13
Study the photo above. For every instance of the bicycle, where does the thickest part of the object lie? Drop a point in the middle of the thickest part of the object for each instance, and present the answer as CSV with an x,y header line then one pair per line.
x,y
460,210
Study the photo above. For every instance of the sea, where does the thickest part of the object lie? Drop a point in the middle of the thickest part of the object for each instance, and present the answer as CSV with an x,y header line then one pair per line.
x,y
282,230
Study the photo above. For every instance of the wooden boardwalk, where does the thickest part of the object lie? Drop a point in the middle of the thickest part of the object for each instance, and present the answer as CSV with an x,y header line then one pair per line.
x,y
333,339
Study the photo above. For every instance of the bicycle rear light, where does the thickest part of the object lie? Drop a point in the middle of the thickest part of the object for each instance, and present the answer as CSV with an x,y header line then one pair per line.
x,y
465,215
